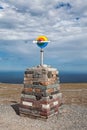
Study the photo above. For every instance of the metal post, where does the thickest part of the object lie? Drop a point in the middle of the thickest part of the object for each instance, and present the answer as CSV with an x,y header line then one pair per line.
x,y
41,57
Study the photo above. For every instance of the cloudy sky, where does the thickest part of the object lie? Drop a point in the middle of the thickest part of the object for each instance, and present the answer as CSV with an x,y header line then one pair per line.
x,y
64,22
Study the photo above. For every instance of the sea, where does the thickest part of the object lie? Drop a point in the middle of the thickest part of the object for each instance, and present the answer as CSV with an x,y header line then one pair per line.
x,y
17,77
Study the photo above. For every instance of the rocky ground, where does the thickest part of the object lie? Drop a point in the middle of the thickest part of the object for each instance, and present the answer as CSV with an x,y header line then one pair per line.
x,y
72,114
70,117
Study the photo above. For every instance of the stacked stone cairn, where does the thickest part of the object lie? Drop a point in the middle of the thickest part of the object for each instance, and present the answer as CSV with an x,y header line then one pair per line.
x,y
41,95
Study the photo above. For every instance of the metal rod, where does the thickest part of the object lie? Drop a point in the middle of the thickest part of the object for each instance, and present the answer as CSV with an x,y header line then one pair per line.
x,y
41,57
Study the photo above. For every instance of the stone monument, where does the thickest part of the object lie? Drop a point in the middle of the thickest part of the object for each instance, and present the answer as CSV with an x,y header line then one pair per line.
x,y
41,95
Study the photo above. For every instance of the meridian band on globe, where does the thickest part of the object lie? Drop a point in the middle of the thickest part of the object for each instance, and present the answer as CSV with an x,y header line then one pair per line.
x,y
42,42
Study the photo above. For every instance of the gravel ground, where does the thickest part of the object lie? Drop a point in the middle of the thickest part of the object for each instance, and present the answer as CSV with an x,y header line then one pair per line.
x,y
70,117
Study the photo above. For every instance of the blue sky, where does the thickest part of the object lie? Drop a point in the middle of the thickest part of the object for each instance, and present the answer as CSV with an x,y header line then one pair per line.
x,y
64,22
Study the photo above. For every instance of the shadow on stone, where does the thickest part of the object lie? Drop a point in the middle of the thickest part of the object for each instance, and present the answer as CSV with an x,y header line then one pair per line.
x,y
16,108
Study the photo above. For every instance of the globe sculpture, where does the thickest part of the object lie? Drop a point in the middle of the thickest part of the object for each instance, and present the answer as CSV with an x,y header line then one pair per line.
x,y
42,42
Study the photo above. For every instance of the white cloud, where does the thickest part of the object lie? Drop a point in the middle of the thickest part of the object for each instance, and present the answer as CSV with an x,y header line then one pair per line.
x,y
28,19
63,22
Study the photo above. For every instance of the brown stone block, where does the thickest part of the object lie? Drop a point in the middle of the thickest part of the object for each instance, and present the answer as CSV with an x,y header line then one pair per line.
x,y
27,100
28,79
50,90
44,83
37,90
28,82
28,90
46,114
25,106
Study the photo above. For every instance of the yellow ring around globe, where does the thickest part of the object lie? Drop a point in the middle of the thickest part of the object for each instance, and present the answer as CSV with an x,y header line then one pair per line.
x,y
41,38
